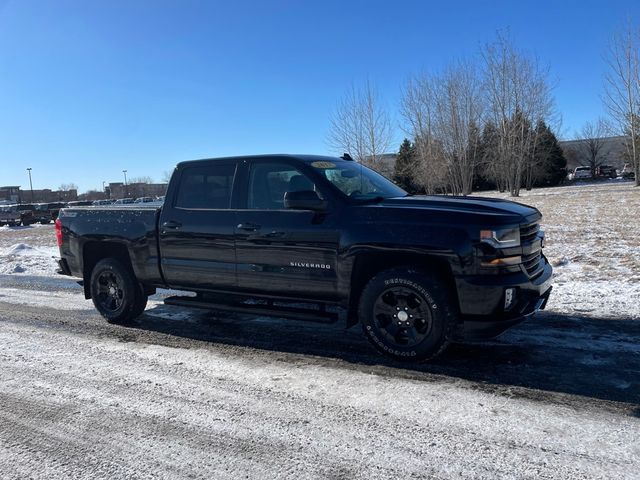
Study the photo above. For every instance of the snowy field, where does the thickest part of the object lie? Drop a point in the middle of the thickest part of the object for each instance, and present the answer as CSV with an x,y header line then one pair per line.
x,y
191,394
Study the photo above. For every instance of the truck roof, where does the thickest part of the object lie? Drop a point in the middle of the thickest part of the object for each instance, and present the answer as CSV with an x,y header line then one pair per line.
x,y
274,156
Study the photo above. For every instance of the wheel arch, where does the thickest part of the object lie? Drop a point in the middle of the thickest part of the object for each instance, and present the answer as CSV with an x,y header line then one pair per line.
x,y
93,252
367,265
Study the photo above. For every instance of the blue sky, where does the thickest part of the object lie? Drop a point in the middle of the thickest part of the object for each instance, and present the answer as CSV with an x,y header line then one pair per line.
x,y
89,88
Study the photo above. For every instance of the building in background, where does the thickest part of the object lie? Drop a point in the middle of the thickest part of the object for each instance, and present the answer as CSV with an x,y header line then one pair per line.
x,y
611,153
135,190
13,194
10,194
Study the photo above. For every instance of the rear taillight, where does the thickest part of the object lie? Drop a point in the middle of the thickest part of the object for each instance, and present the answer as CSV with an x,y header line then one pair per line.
x,y
59,231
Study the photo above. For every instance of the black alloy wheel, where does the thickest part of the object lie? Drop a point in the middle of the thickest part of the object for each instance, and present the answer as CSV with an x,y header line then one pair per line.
x,y
110,291
115,291
403,316
407,314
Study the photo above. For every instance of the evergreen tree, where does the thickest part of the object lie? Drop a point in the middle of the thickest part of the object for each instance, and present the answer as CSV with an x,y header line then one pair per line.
x,y
406,167
551,162
485,174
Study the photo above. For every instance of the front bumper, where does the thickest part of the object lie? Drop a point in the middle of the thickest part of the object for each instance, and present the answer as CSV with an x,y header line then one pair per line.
x,y
482,300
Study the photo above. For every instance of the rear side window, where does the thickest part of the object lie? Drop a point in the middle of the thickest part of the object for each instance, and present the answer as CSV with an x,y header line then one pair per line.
x,y
207,187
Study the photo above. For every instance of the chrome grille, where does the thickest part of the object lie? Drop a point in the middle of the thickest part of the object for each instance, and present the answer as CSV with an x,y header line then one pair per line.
x,y
530,261
529,232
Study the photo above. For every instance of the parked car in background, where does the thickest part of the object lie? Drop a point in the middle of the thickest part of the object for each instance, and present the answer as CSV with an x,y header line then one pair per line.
x,y
160,199
80,203
27,211
54,209
143,200
123,201
42,213
102,202
606,171
628,172
581,173
9,215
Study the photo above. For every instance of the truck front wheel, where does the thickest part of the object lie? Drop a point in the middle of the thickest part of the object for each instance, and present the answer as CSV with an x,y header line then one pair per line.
x,y
115,292
407,314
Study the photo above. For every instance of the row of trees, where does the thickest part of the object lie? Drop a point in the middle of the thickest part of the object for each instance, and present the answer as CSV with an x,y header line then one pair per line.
x,y
485,122
476,120
545,166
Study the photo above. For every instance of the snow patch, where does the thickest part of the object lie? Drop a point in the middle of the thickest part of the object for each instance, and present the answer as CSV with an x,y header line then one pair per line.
x,y
23,258
43,299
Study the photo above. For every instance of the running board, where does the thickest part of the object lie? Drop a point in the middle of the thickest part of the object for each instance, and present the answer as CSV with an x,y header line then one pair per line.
x,y
270,310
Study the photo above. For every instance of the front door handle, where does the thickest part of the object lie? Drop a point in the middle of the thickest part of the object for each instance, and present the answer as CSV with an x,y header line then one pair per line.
x,y
171,225
249,227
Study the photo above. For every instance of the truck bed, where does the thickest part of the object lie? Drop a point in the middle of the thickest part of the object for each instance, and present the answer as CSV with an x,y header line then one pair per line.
x,y
133,227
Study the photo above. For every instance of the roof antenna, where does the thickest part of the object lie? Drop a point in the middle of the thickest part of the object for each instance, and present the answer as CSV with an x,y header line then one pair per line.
x,y
346,156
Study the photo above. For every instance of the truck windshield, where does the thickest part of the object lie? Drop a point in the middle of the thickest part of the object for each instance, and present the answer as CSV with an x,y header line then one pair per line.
x,y
357,181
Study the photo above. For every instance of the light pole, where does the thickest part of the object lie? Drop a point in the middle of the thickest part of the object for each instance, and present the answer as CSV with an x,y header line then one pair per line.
x,y
30,184
125,182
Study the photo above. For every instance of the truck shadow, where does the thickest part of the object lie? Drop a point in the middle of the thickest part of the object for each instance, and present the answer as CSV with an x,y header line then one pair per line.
x,y
564,354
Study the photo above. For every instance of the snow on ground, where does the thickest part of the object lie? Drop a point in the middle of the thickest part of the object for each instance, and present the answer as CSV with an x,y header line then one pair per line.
x,y
82,407
25,258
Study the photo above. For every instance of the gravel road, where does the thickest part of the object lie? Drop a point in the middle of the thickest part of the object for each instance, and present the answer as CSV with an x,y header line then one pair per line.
x,y
189,394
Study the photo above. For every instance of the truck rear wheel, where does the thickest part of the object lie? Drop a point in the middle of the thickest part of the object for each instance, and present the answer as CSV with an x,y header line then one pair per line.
x,y
407,314
115,292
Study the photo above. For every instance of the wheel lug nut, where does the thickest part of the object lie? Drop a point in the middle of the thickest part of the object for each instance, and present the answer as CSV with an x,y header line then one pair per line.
x,y
406,308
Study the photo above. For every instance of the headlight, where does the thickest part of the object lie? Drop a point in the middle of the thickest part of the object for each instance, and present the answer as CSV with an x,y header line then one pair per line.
x,y
503,238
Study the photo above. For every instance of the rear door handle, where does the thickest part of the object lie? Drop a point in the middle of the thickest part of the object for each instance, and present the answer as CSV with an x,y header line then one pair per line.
x,y
249,227
171,225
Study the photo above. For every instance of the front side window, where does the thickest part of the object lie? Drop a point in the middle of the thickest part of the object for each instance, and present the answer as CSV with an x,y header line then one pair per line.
x,y
268,182
357,181
206,187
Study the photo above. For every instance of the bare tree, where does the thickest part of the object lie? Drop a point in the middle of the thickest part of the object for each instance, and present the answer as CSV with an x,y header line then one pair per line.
x,y
622,89
144,179
166,176
593,141
443,113
417,110
66,187
360,126
518,97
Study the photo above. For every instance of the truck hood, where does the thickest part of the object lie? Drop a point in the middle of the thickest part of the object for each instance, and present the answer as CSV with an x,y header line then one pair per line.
x,y
467,205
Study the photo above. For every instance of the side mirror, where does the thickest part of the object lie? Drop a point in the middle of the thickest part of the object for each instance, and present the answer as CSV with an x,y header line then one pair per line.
x,y
304,200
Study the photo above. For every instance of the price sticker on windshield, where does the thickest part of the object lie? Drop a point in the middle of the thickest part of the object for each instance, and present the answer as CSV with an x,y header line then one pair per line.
x,y
323,165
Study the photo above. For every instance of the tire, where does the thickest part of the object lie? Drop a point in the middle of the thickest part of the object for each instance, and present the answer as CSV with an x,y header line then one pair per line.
x,y
141,302
115,292
407,314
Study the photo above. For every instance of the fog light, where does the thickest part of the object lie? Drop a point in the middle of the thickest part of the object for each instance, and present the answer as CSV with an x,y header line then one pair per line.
x,y
509,297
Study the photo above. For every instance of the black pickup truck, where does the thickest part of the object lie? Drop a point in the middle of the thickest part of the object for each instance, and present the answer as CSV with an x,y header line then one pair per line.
x,y
315,238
